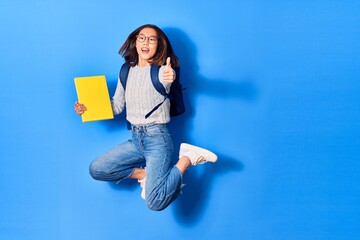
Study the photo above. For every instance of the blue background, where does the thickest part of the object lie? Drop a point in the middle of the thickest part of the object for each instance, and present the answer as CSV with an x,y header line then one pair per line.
x,y
272,87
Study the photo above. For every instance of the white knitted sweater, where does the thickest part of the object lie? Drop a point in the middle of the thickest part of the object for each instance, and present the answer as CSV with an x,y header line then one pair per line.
x,y
141,97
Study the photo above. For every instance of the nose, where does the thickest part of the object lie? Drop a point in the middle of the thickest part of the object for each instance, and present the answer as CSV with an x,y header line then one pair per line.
x,y
147,40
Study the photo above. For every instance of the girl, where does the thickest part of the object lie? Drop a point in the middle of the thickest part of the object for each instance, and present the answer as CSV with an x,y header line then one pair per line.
x,y
151,144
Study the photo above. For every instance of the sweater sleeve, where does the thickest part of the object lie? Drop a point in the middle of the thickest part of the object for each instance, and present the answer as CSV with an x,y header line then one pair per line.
x,y
118,100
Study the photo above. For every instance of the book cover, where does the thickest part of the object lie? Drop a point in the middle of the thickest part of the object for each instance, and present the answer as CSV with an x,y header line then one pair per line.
x,y
92,91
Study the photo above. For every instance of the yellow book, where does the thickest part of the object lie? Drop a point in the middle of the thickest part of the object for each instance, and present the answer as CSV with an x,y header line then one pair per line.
x,y
93,92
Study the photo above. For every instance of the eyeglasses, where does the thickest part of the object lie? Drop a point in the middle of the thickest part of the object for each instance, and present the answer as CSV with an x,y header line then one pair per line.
x,y
141,38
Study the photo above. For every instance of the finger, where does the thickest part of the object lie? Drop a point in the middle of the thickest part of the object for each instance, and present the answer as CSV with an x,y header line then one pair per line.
x,y
78,105
168,74
168,60
168,79
81,106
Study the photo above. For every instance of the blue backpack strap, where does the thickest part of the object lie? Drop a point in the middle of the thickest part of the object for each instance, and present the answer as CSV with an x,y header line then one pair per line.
x,y
154,75
154,71
123,74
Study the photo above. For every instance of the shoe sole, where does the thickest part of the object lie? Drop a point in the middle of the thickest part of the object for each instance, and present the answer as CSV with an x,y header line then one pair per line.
x,y
209,156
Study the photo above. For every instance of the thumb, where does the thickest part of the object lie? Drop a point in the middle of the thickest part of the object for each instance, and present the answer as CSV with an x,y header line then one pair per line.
x,y
168,60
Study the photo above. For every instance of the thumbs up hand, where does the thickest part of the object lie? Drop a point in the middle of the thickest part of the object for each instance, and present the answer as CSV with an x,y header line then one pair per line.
x,y
168,73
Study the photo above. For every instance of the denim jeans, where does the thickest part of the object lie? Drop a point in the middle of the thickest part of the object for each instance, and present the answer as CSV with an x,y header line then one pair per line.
x,y
151,145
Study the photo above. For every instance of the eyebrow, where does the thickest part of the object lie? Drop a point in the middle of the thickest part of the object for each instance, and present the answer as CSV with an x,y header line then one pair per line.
x,y
147,36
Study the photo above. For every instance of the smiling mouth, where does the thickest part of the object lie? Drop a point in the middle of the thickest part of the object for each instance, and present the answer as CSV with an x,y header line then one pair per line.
x,y
145,50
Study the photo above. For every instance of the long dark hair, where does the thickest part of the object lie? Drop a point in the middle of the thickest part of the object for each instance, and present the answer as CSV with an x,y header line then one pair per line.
x,y
164,48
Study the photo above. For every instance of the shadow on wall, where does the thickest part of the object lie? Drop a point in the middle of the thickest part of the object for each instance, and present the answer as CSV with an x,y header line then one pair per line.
x,y
191,205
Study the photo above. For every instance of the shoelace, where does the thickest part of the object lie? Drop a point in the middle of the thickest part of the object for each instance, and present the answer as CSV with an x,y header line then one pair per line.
x,y
200,160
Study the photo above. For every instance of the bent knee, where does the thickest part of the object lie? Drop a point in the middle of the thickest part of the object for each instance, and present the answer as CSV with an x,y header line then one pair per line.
x,y
155,207
95,172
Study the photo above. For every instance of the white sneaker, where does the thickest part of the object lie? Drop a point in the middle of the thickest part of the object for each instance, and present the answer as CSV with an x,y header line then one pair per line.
x,y
196,154
142,185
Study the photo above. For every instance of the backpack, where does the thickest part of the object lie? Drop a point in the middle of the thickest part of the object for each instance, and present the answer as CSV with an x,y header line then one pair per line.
x,y
175,95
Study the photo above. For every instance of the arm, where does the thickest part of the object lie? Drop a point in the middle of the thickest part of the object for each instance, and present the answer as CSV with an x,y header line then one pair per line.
x,y
118,100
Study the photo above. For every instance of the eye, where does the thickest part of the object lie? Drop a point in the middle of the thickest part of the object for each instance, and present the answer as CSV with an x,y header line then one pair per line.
x,y
152,39
141,38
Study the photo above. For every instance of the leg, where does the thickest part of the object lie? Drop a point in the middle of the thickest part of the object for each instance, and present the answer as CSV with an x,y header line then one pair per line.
x,y
117,163
163,179
193,155
139,174
183,164
165,188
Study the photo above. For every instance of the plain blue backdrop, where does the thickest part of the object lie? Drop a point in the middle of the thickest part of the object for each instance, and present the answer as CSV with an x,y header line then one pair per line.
x,y
272,87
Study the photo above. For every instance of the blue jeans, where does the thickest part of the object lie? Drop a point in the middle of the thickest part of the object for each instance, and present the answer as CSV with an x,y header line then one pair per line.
x,y
151,145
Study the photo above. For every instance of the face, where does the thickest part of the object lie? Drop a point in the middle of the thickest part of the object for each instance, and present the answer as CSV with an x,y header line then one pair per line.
x,y
146,45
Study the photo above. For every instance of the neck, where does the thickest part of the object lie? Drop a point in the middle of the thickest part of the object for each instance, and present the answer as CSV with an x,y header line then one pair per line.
x,y
143,63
